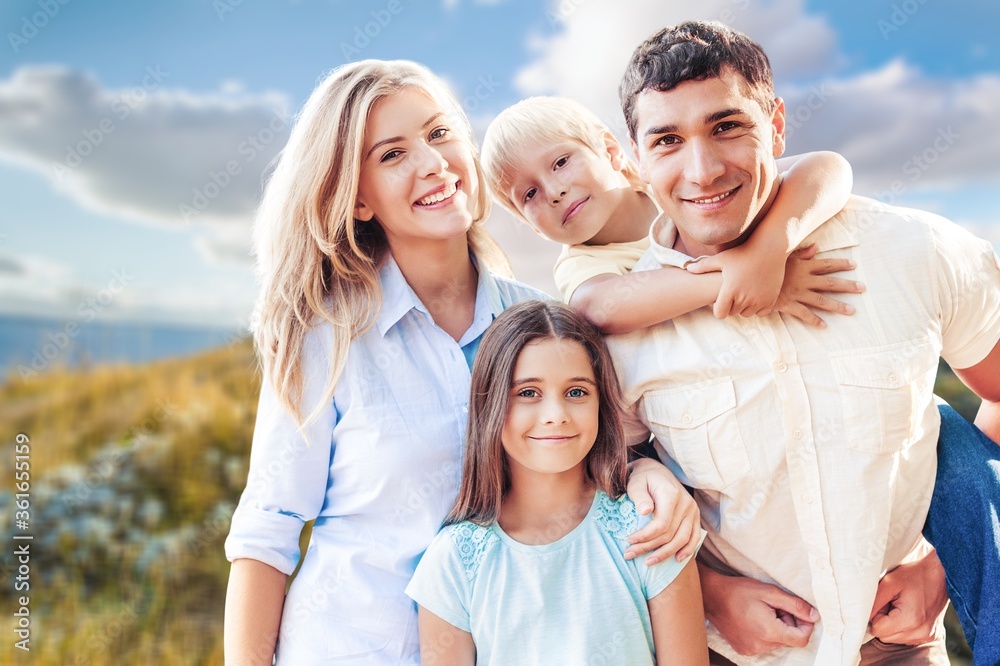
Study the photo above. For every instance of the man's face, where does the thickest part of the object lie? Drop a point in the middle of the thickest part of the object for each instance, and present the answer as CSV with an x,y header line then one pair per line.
x,y
707,149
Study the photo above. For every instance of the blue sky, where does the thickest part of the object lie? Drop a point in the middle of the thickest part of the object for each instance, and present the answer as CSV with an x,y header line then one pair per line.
x,y
163,95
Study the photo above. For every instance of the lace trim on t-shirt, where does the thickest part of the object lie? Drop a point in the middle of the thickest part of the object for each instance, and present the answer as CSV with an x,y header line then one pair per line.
x,y
618,517
472,542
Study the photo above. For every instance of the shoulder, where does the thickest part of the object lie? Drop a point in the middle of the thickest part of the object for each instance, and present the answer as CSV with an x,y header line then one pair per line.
x,y
467,543
618,517
512,291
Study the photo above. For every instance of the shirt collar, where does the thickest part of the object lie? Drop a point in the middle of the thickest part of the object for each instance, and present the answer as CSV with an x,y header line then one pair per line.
x,y
831,235
398,298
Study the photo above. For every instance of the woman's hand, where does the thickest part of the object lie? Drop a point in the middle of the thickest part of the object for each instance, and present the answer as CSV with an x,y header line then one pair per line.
x,y
676,524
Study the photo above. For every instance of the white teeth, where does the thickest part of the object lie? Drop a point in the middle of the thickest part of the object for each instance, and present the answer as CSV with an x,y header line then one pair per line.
x,y
439,196
712,200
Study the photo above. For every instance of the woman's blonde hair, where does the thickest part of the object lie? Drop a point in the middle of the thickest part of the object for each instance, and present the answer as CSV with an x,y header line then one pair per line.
x,y
542,121
314,260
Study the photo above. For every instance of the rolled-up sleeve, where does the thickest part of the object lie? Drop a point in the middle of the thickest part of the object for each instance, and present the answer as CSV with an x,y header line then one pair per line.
x,y
289,467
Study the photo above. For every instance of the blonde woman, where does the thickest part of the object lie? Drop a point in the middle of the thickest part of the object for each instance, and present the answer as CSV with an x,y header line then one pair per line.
x,y
378,280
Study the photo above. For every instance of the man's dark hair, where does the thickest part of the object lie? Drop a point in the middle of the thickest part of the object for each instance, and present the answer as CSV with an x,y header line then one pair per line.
x,y
694,51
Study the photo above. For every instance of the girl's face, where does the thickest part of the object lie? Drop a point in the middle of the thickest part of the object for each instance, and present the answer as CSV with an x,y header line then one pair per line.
x,y
418,178
567,192
552,417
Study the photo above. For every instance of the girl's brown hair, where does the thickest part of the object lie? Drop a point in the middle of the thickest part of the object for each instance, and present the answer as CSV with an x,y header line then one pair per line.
x,y
485,473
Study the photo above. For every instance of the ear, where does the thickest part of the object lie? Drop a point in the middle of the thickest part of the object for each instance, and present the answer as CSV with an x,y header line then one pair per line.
x,y
362,211
641,165
614,150
778,127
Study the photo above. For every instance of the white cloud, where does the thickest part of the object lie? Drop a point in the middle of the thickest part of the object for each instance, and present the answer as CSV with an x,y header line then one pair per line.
x,y
145,152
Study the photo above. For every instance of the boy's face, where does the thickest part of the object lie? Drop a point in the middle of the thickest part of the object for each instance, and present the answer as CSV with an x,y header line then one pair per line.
x,y
707,148
565,191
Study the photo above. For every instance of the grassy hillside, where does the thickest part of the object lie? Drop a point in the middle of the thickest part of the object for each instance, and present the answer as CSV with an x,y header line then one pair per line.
x,y
135,474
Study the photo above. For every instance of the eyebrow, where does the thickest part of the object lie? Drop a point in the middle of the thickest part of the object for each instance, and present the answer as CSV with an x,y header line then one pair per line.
x,y
535,380
713,117
394,139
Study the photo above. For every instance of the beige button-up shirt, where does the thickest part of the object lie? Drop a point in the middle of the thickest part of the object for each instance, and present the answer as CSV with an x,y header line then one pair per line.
x,y
813,451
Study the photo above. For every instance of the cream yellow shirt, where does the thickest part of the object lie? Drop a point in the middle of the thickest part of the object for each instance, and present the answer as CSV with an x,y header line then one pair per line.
x,y
813,451
578,263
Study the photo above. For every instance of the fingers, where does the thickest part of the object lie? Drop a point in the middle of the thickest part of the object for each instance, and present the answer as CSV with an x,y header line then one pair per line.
x,y
704,265
823,302
800,311
885,594
836,285
680,546
824,266
808,252
723,304
793,636
789,603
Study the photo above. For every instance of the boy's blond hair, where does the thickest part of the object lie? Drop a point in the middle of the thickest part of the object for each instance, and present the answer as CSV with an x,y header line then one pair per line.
x,y
541,121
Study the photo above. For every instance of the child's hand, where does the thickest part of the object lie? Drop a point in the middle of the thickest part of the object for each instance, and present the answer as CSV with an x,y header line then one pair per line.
x,y
676,524
806,280
751,281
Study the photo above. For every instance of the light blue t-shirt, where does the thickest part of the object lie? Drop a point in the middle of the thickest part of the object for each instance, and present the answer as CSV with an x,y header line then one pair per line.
x,y
574,601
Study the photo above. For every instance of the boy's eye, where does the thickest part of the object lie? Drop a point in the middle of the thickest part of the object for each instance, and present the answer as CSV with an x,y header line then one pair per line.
x,y
439,133
561,162
530,194
391,155
576,393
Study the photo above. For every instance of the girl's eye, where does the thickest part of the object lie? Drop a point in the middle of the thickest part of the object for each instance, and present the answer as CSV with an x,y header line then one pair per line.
x,y
576,393
440,132
391,155
529,195
561,162
527,393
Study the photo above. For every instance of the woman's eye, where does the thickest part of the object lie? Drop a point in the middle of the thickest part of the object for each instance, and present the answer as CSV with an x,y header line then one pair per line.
x,y
391,155
439,133
529,195
576,393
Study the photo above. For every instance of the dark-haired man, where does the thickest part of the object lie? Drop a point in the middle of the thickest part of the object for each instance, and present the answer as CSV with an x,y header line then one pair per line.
x,y
812,451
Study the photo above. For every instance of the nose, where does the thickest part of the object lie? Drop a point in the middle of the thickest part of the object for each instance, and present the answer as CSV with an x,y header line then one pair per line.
x,y
555,192
554,411
430,160
703,165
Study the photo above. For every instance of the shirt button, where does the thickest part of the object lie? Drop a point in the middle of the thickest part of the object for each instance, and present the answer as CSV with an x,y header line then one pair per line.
x,y
797,434
807,499
820,564
893,379
686,418
782,367
834,633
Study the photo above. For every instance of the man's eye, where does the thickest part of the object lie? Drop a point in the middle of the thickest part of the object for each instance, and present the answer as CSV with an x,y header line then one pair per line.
x,y
724,127
666,141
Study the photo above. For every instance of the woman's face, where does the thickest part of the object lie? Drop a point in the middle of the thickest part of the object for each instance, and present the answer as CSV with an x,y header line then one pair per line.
x,y
418,177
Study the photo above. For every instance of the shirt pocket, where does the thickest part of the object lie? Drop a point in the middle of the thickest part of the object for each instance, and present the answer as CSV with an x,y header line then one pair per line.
x,y
883,391
697,426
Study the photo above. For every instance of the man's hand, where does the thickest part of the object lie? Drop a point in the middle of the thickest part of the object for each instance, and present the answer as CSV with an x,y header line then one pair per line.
x,y
755,617
676,523
909,600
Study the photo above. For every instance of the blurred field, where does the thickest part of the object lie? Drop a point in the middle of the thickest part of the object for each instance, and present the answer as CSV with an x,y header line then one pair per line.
x,y
135,473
